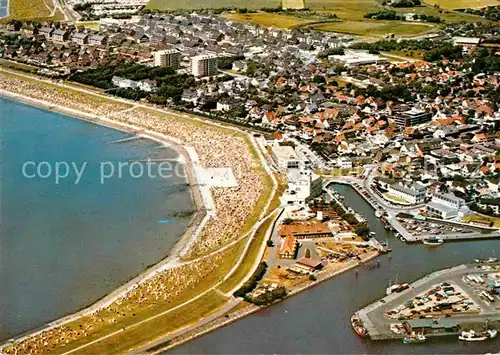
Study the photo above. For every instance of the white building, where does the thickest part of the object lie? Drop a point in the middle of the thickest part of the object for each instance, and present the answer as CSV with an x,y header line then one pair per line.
x,y
415,193
167,58
303,185
445,205
204,65
285,157
353,58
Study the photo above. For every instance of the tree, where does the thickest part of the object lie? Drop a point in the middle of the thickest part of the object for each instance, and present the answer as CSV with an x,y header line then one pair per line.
x,y
362,230
270,243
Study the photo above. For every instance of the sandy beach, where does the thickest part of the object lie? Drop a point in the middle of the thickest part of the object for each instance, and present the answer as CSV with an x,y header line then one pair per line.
x,y
206,235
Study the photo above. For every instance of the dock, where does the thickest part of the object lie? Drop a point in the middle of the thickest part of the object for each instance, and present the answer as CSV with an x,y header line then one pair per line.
x,y
377,324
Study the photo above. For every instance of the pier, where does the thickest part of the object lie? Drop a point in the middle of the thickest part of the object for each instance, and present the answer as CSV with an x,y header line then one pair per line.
x,y
378,325
123,140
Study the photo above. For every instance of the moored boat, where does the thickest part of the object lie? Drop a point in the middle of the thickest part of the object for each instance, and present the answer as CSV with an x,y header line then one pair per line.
x,y
378,214
486,261
358,326
419,338
492,333
470,335
433,241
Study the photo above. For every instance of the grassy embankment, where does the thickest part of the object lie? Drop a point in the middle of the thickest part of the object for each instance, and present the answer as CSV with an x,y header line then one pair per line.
x,y
171,320
251,255
86,96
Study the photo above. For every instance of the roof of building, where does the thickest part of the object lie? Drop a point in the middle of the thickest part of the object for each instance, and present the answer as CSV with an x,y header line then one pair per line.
x,y
285,152
308,262
304,228
288,245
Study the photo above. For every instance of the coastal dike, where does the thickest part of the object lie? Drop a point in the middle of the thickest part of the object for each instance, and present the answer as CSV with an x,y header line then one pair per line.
x,y
201,194
176,340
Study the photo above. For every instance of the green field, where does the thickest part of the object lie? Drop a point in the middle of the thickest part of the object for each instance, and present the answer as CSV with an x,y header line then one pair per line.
x,y
350,14
268,19
463,4
210,4
379,28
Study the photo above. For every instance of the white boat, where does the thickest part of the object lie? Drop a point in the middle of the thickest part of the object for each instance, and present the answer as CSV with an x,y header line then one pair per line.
x,y
471,335
378,214
492,333
433,241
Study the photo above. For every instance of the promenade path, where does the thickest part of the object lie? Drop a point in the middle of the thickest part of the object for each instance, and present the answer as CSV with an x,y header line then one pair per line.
x,y
175,262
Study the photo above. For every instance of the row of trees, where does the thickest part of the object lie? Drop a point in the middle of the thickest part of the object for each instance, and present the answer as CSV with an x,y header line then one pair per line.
x,y
169,84
392,15
268,297
252,282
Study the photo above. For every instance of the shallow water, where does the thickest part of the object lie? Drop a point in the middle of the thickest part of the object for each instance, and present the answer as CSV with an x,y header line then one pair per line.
x,y
65,245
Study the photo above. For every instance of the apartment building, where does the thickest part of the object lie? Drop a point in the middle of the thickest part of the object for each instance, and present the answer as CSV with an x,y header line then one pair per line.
x,y
167,58
204,65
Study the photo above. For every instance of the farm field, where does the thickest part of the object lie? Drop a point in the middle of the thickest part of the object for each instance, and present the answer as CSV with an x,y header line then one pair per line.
x,y
26,9
379,28
268,19
462,4
212,4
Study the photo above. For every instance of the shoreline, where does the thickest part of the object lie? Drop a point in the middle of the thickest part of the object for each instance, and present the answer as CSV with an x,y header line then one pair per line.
x,y
194,227
231,317
183,245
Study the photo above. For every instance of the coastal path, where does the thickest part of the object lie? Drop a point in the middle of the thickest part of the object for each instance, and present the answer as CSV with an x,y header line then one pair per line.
x,y
175,261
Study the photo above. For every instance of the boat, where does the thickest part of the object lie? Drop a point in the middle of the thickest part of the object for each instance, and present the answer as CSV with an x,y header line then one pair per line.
x,y
492,333
486,261
358,326
378,214
396,288
433,241
470,335
419,338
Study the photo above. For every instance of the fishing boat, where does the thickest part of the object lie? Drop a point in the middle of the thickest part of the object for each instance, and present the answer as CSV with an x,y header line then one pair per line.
x,y
378,214
470,335
433,241
419,338
358,326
